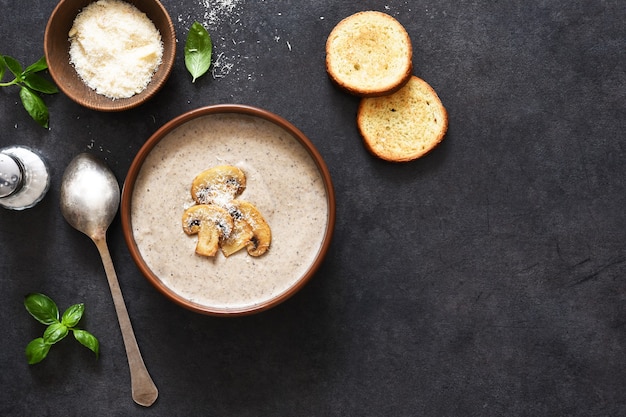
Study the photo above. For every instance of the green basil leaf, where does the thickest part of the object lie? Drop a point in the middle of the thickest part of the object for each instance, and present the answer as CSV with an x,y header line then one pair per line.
x,y
73,314
37,66
198,50
35,106
88,340
42,308
38,83
3,67
14,66
36,351
54,333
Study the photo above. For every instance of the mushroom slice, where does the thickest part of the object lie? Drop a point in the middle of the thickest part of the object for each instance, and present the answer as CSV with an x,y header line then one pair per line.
x,y
211,223
259,242
218,185
241,235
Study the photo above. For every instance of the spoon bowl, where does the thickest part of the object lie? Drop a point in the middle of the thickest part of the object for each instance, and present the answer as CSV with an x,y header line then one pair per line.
x,y
90,197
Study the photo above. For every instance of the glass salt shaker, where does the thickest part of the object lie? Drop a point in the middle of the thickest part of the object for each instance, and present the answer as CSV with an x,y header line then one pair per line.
x,y
24,178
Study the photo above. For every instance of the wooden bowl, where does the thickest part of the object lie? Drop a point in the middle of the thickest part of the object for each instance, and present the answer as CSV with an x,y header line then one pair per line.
x,y
56,50
287,180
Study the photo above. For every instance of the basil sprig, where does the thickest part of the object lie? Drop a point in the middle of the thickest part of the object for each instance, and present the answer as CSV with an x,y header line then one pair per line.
x,y
45,311
31,84
198,50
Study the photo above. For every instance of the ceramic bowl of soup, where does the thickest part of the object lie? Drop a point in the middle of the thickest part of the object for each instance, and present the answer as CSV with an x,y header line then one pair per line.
x,y
286,180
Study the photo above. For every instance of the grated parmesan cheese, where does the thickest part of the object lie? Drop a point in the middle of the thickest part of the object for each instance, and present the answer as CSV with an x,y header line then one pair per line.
x,y
115,48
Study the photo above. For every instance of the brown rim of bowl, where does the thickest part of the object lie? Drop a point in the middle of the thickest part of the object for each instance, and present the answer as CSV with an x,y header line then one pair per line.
x,y
127,191
56,51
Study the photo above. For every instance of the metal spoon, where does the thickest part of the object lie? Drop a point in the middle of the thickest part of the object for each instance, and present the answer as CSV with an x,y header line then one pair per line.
x,y
90,197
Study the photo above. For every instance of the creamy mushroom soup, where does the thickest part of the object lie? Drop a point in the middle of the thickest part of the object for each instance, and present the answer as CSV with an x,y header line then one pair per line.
x,y
283,182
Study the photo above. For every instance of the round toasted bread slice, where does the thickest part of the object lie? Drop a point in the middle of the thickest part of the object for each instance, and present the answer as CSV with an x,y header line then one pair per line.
x,y
369,54
405,125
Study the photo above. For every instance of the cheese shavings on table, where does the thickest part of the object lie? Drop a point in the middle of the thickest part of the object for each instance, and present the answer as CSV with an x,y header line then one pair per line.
x,y
115,48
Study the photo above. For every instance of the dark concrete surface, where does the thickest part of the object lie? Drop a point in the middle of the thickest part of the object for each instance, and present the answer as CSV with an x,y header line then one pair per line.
x,y
486,279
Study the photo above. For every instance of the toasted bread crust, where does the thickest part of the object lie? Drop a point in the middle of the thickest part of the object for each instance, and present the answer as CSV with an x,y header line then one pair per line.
x,y
369,54
405,125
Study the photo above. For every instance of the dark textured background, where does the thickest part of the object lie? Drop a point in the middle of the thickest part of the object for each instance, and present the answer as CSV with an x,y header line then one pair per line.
x,y
486,279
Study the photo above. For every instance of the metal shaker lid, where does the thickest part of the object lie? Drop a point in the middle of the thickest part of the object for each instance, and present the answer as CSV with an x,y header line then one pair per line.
x,y
11,175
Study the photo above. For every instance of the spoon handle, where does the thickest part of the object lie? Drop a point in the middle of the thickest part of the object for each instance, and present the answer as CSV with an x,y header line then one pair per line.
x,y
144,390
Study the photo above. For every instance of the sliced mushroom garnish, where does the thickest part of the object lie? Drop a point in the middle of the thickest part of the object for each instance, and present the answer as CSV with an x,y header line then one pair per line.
x,y
241,235
218,185
259,242
211,223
